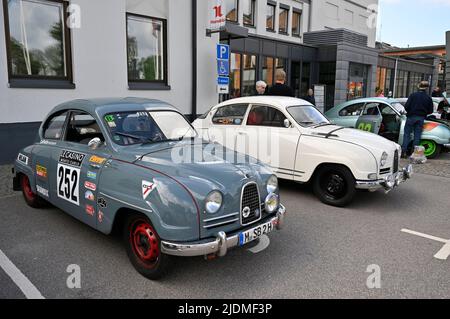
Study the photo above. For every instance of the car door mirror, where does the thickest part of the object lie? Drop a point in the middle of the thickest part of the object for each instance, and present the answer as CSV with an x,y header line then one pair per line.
x,y
287,123
95,143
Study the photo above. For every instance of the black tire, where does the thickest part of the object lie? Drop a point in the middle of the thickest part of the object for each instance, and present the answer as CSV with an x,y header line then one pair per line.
x,y
334,185
432,149
154,268
32,199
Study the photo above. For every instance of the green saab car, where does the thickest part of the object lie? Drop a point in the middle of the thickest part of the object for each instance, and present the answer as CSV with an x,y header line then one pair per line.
x,y
387,117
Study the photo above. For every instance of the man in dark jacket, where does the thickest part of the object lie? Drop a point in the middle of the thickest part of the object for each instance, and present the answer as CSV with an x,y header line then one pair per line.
x,y
280,88
310,97
418,106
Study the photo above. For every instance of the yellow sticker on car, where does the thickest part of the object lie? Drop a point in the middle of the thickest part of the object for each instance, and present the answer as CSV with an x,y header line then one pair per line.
x,y
97,160
41,171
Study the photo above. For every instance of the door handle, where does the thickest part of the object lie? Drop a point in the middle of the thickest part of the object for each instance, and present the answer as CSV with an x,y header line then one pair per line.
x,y
242,133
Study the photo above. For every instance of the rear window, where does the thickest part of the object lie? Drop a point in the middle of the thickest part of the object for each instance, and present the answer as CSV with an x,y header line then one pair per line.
x,y
230,114
54,127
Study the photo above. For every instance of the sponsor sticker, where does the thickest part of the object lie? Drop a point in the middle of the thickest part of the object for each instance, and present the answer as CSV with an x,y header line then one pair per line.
x,y
46,142
90,186
89,196
92,175
90,210
97,160
42,191
71,158
147,188
100,216
22,159
102,202
41,171
109,118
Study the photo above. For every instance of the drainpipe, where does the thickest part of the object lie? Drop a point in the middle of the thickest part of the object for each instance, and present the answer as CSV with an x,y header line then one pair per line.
x,y
310,16
194,61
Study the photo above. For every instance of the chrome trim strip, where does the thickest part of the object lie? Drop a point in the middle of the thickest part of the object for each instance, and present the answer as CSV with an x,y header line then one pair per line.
x,y
123,202
221,223
220,217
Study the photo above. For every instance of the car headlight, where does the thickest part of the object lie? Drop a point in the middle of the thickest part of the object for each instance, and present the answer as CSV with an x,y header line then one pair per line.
x,y
384,158
271,203
272,184
213,202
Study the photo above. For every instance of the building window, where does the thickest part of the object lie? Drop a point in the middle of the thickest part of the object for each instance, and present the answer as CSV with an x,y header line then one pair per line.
x,y
235,75
306,78
270,65
357,81
231,7
283,20
249,12
38,48
270,17
249,75
146,47
296,23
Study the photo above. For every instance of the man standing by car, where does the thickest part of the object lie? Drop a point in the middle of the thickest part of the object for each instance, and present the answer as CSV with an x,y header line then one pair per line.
x,y
280,88
310,97
418,106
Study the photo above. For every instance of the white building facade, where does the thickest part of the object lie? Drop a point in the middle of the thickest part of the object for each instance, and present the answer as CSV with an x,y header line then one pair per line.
x,y
52,51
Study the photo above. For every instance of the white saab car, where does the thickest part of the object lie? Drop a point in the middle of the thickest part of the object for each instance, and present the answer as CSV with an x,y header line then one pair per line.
x,y
300,144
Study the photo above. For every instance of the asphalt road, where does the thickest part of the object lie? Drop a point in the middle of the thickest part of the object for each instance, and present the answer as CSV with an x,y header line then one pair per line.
x,y
323,252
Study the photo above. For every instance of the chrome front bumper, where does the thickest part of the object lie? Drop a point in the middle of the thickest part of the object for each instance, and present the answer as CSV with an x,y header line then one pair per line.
x,y
389,182
218,246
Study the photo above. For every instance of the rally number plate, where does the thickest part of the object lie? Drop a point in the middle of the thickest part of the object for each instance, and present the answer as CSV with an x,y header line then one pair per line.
x,y
254,233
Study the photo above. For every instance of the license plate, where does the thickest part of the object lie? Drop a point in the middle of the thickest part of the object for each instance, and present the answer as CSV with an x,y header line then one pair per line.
x,y
254,233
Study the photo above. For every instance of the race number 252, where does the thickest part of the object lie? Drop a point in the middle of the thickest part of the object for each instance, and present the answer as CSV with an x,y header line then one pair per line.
x,y
68,183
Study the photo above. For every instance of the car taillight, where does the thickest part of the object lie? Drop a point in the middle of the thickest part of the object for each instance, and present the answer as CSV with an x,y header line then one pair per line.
x,y
430,126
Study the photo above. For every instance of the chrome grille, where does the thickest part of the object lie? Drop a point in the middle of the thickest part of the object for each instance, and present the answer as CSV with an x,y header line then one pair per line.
x,y
396,159
250,204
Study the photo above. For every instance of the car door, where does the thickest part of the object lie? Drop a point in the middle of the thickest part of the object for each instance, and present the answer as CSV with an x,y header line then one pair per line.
x,y
77,167
265,137
371,118
225,122
348,116
52,133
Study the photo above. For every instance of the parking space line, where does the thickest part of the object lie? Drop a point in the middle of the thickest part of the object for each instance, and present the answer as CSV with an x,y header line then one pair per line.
x,y
25,285
442,254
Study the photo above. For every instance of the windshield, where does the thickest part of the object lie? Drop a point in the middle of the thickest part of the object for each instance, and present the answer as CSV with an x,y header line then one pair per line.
x,y
130,128
399,107
307,115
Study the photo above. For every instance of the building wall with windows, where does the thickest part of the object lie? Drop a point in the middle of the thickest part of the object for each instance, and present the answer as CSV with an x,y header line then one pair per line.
x,y
357,16
447,69
122,48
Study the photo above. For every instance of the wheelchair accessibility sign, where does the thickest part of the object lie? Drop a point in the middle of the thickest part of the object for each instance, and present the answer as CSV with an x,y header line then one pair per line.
x,y
223,68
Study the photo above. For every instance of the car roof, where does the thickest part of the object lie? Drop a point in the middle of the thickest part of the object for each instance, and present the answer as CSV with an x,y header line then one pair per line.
x,y
278,101
105,105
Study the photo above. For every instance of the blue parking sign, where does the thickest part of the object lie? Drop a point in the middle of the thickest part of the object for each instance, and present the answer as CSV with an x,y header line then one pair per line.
x,y
223,52
223,81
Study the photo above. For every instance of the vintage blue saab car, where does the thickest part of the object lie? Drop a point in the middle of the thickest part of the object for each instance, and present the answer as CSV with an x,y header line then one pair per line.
x,y
116,164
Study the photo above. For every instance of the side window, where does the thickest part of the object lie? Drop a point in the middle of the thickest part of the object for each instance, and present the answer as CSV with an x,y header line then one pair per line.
x,y
372,109
230,114
54,126
265,116
82,128
352,110
386,110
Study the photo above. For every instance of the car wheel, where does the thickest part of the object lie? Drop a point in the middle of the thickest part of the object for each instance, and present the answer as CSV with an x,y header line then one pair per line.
x,y
32,199
143,247
432,149
334,185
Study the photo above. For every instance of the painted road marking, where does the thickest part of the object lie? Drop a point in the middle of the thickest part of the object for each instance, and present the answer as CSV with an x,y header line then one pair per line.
x,y
28,289
441,254
264,242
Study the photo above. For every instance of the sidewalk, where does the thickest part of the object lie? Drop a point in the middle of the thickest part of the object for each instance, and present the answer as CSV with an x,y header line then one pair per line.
x,y
6,181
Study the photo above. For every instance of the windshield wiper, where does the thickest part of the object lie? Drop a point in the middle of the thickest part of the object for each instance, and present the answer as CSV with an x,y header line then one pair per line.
x,y
323,124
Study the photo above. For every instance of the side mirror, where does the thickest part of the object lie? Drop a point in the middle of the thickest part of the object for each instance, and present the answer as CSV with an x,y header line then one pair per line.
x,y
286,123
95,143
